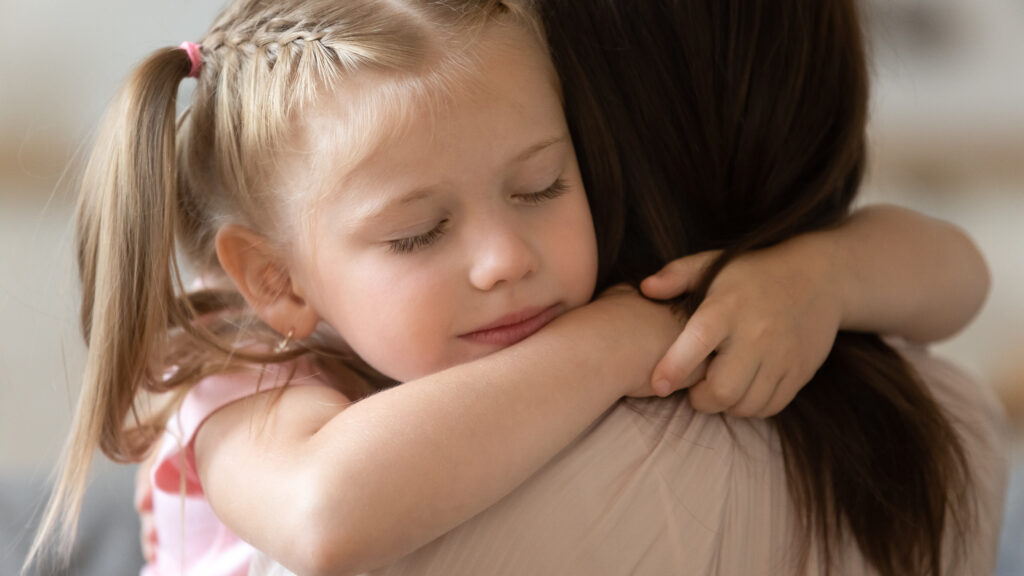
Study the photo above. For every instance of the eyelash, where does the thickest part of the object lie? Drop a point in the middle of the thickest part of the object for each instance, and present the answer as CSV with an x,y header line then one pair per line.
x,y
556,189
414,243
411,244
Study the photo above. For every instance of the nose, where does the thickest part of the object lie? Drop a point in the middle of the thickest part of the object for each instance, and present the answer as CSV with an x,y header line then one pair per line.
x,y
502,255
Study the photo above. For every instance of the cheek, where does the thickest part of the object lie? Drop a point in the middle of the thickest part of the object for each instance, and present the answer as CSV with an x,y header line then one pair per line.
x,y
398,321
576,247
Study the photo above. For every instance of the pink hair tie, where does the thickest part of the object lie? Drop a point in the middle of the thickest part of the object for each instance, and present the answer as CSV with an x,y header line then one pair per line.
x,y
196,57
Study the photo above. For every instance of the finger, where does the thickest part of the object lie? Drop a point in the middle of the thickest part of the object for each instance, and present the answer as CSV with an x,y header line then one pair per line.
x,y
758,395
677,276
786,391
729,378
702,334
698,375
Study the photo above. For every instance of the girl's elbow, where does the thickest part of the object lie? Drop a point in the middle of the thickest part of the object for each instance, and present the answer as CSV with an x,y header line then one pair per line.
x,y
325,557
323,543
318,554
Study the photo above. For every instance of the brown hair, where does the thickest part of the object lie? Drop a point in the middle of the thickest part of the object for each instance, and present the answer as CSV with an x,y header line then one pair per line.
x,y
736,124
156,186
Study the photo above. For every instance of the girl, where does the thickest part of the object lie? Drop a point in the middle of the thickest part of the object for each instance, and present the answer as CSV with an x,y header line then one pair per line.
x,y
375,184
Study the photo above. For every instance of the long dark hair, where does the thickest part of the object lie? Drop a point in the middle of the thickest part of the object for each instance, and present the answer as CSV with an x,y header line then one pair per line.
x,y
736,124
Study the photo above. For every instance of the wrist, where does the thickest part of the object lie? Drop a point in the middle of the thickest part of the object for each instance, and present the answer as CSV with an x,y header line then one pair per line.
x,y
819,256
630,334
843,283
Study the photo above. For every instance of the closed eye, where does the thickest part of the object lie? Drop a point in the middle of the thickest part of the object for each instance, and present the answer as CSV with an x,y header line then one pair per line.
x,y
414,243
558,188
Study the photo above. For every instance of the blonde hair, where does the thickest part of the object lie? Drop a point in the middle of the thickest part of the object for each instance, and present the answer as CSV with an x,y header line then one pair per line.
x,y
155,186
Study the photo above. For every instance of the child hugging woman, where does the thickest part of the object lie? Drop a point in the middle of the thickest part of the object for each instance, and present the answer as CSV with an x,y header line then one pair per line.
x,y
376,193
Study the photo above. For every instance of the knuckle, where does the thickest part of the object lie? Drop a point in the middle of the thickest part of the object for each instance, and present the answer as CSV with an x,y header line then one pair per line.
x,y
724,396
730,299
701,334
762,331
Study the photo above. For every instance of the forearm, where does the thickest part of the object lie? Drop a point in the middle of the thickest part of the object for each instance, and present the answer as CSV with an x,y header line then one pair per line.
x,y
906,274
404,466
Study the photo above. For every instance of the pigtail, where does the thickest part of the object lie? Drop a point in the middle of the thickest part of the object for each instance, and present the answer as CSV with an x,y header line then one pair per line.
x,y
126,222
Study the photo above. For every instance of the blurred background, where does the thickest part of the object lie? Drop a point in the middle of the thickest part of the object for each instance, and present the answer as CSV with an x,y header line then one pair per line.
x,y
947,137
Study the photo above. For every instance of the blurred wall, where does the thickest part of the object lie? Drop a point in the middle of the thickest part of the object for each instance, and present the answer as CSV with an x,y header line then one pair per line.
x,y
947,138
60,62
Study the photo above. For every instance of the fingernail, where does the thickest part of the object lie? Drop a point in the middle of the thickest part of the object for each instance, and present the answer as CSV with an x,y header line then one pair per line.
x,y
662,387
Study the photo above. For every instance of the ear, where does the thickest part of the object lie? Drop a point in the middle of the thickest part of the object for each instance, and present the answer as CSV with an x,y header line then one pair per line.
x,y
265,281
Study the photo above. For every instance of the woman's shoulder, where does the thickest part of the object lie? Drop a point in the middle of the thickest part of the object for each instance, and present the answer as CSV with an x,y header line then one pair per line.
x,y
651,487
972,406
961,394
980,421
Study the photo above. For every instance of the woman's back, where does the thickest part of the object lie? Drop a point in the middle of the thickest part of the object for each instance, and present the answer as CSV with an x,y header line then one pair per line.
x,y
654,487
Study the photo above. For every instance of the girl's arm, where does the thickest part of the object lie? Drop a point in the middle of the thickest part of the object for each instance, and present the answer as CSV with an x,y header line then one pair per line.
x,y
905,274
771,316
325,487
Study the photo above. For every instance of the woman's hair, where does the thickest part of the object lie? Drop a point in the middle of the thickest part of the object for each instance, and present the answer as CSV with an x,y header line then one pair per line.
x,y
734,125
158,187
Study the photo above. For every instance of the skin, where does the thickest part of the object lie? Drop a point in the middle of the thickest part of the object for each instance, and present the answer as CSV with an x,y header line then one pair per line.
x,y
475,212
771,316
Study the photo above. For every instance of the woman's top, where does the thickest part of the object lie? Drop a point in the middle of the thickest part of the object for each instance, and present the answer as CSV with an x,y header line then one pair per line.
x,y
654,487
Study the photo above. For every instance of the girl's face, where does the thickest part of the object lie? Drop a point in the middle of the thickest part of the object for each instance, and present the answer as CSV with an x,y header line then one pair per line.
x,y
464,233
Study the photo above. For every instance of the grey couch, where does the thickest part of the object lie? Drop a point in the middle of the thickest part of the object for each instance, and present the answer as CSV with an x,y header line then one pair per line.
x,y
108,534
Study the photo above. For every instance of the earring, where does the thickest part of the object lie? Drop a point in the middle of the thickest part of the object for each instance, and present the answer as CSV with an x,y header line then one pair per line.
x,y
283,344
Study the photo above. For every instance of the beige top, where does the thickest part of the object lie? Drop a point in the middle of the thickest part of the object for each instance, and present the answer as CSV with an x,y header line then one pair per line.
x,y
654,488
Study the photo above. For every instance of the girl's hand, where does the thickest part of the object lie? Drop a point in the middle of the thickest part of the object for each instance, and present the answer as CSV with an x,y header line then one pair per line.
x,y
766,325
640,314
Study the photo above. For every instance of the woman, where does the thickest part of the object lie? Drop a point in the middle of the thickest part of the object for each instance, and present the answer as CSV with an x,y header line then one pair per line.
x,y
763,108
734,125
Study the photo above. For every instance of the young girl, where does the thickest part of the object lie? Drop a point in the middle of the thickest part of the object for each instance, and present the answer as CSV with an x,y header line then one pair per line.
x,y
372,192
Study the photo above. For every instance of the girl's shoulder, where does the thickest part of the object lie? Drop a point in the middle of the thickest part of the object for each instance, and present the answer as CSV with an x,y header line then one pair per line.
x,y
217,391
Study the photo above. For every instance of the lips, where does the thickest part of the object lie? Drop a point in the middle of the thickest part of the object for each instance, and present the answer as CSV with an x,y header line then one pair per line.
x,y
512,328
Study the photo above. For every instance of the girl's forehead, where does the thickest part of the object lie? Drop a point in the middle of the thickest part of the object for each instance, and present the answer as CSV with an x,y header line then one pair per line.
x,y
503,95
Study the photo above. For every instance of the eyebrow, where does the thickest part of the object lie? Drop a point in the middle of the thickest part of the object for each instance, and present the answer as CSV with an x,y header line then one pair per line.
x,y
422,193
536,148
